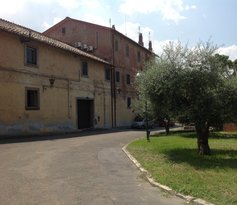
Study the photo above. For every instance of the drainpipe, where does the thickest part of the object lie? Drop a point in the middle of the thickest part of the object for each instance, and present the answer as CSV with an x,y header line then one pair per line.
x,y
115,103
111,98
113,93
104,106
68,98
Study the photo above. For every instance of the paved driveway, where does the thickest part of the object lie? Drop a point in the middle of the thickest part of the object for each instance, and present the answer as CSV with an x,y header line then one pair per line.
x,y
83,170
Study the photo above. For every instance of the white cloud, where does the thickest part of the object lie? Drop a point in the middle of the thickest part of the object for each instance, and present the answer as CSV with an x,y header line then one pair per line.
x,y
41,1
11,7
74,4
170,10
69,4
187,7
230,51
159,45
47,25
92,4
172,14
93,18
131,30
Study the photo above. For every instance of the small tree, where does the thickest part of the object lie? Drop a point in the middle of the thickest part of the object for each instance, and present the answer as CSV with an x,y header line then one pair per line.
x,y
191,82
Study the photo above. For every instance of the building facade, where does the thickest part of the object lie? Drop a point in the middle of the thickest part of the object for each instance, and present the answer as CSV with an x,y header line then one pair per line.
x,y
49,86
126,56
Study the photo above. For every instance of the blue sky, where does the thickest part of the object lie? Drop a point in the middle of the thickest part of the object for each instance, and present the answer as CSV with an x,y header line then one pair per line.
x,y
166,20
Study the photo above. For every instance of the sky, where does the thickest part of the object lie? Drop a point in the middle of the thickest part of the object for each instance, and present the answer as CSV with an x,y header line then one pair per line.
x,y
161,21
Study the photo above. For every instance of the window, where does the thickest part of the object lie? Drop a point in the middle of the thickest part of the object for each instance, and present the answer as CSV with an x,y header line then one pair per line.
x,y
128,102
117,76
31,55
107,74
84,68
97,39
127,50
138,56
32,99
63,30
128,79
116,45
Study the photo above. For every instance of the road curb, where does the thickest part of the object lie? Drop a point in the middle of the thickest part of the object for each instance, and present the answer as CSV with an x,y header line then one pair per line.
x,y
187,198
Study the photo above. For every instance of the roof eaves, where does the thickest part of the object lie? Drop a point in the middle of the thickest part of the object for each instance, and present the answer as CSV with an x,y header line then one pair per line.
x,y
55,26
124,36
29,33
100,26
97,25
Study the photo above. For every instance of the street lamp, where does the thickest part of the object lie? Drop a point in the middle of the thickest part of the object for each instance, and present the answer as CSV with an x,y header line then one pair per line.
x,y
147,129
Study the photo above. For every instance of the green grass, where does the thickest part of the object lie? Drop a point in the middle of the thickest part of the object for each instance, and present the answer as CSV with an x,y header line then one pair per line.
x,y
173,161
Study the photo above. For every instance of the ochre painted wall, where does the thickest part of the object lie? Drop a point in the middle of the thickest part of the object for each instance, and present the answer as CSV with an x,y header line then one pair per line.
x,y
58,104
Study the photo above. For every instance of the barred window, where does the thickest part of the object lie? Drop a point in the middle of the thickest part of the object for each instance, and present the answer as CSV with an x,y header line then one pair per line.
x,y
117,76
31,55
128,79
128,102
127,50
32,101
107,74
84,68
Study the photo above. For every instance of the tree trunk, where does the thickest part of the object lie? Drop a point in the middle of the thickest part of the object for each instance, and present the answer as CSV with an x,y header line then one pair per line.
x,y
202,130
167,126
167,129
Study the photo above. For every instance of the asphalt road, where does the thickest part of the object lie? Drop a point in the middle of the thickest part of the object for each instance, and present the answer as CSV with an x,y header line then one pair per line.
x,y
83,169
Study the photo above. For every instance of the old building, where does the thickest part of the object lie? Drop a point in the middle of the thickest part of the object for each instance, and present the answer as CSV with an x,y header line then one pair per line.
x,y
49,86
126,56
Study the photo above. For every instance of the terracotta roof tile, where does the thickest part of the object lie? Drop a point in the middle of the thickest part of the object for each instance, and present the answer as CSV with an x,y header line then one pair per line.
x,y
29,33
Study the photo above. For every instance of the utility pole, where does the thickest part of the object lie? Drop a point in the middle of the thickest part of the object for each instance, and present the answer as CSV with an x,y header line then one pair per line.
x,y
146,115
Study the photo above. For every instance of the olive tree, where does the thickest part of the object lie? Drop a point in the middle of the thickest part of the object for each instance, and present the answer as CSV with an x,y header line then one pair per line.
x,y
192,82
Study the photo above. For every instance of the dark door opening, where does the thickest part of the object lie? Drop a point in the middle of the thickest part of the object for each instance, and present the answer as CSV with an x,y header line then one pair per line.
x,y
84,113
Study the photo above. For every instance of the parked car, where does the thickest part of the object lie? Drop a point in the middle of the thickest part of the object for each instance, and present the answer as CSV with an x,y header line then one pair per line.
x,y
162,123
141,123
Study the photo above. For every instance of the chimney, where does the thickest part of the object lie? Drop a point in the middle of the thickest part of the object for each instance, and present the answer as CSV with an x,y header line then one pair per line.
x,y
150,46
140,41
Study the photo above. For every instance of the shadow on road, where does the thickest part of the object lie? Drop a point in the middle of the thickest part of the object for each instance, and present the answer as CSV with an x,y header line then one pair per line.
x,y
54,136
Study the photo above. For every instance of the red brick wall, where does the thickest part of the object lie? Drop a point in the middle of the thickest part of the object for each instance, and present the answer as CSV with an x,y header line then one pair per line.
x,y
230,127
78,31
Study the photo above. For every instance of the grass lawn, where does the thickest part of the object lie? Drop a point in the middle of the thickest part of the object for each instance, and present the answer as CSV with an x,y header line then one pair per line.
x,y
173,161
